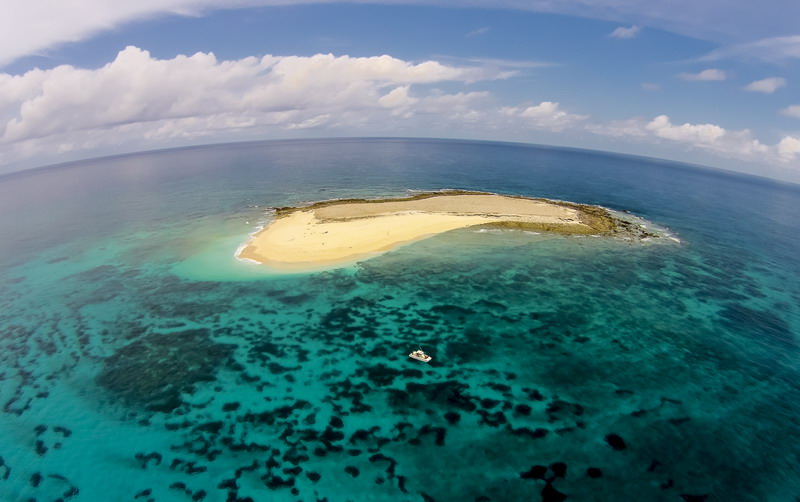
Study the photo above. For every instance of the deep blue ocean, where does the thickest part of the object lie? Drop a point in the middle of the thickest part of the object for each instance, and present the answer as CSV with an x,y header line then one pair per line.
x,y
142,362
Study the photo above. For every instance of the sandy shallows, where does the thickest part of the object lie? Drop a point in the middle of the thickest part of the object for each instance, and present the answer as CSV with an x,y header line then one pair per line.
x,y
333,234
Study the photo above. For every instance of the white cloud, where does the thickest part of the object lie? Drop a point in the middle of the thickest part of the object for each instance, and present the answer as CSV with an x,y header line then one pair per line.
x,y
309,123
633,128
398,98
546,115
34,26
712,138
623,32
702,134
479,31
138,96
399,101
773,49
704,76
767,85
789,148
439,102
138,102
792,111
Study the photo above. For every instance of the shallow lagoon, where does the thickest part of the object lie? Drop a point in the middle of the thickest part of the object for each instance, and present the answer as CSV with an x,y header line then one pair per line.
x,y
142,361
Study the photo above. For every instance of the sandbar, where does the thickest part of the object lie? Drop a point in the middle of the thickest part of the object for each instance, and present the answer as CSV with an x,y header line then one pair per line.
x,y
334,233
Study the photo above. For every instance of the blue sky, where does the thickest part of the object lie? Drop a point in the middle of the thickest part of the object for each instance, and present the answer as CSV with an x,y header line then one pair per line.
x,y
714,84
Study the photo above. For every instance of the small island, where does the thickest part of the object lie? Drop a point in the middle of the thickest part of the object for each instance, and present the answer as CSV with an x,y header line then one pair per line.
x,y
332,233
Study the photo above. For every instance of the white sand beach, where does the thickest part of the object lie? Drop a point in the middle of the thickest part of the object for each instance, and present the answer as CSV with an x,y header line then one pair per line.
x,y
339,233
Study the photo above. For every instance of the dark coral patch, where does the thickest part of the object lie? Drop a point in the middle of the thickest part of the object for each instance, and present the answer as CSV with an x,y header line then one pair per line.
x,y
36,479
228,484
489,403
155,370
559,469
495,419
533,394
230,406
212,428
277,369
276,482
178,485
537,433
523,409
616,442
449,392
452,417
63,431
559,409
594,472
331,435
535,472
383,375
295,471
550,494
440,433
451,310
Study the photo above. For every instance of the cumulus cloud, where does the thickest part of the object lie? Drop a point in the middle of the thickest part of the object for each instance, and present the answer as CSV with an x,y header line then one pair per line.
x,y
457,104
140,102
713,138
546,115
767,85
446,108
704,76
741,144
792,111
623,32
789,148
697,134
398,99
137,95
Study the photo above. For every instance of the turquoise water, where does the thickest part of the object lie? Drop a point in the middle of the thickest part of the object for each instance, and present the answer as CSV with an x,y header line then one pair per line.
x,y
141,361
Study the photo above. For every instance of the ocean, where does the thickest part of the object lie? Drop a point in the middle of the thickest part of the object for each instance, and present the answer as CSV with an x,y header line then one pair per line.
x,y
142,362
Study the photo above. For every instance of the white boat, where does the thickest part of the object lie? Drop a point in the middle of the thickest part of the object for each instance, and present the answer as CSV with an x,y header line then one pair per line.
x,y
420,356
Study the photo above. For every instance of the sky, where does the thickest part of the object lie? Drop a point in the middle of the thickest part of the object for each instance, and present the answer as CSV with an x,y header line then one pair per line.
x,y
714,83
